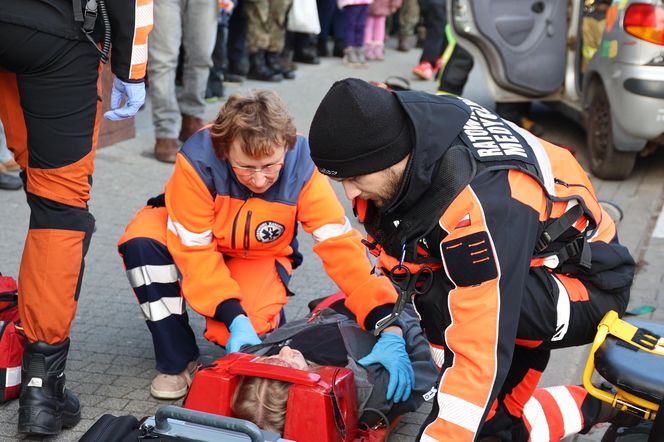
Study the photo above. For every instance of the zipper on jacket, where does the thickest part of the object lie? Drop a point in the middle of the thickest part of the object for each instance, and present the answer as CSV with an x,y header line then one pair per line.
x,y
580,200
237,216
561,182
568,185
247,228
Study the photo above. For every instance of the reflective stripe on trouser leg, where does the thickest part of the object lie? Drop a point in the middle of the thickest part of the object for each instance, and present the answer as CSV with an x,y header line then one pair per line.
x,y
557,412
154,279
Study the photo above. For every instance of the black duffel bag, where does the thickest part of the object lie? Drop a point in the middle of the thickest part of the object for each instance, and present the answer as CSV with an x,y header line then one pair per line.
x,y
172,423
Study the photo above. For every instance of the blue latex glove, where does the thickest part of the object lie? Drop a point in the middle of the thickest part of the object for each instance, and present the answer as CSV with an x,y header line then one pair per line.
x,y
242,333
135,97
390,352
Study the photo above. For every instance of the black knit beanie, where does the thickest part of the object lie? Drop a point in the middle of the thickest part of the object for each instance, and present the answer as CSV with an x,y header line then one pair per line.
x,y
358,129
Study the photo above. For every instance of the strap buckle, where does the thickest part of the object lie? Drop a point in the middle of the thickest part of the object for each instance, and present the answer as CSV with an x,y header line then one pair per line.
x,y
89,16
543,241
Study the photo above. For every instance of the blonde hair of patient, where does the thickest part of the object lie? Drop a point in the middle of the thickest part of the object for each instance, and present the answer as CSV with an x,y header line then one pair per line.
x,y
263,401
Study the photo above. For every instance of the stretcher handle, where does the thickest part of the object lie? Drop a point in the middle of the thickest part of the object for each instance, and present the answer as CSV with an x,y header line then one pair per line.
x,y
211,420
611,324
286,374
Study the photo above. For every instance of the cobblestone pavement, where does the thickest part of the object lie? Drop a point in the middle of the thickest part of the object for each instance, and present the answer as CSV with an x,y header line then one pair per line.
x,y
111,360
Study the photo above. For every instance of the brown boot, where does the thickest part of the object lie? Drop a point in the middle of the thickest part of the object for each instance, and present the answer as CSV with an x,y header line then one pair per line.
x,y
189,126
165,149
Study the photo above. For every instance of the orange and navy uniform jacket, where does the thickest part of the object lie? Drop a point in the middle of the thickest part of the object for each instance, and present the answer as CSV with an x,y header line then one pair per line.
x,y
131,22
478,196
212,218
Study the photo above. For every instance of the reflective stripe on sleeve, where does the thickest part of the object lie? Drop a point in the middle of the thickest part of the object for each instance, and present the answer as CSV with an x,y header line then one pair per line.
x,y
143,23
163,308
331,230
139,54
459,411
144,16
187,237
146,275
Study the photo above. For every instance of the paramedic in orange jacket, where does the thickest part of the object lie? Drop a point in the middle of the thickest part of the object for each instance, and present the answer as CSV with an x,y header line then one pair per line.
x,y
226,239
50,108
523,257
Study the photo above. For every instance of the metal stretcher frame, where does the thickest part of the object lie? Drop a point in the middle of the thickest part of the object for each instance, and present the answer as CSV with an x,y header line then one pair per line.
x,y
612,325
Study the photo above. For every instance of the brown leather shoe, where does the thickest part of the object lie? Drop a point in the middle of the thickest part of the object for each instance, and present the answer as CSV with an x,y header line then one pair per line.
x,y
165,149
189,126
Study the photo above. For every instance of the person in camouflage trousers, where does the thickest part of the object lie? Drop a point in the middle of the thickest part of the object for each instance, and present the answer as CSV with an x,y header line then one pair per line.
x,y
409,15
266,33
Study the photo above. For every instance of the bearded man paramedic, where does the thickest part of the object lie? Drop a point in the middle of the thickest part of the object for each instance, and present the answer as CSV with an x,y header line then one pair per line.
x,y
228,221
523,258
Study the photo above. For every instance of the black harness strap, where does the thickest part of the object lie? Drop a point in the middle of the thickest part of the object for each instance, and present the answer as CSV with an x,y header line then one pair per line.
x,y
578,247
558,227
78,11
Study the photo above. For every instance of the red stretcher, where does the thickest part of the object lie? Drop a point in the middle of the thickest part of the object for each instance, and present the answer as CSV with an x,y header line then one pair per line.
x,y
322,404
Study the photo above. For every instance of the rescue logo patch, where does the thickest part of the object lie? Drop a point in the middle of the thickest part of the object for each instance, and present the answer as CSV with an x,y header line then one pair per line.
x,y
269,231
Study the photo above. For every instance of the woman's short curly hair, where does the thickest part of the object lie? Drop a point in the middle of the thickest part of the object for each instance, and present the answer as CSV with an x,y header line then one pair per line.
x,y
258,120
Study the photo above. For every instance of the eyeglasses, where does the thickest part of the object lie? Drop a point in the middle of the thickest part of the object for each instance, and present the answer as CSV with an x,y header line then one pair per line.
x,y
269,170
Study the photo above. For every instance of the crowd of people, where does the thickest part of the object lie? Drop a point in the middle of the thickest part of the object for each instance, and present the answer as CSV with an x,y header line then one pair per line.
x,y
201,47
442,186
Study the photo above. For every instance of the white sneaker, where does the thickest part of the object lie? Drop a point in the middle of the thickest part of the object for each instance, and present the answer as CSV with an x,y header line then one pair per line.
x,y
173,386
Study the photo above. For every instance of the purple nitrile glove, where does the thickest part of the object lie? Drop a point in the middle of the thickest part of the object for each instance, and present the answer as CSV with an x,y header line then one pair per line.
x,y
135,97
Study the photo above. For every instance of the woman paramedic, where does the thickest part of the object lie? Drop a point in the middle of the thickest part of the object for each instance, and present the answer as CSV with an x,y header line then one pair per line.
x,y
223,236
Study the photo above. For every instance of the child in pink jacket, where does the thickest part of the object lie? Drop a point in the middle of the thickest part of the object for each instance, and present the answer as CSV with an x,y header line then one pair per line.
x,y
355,16
374,31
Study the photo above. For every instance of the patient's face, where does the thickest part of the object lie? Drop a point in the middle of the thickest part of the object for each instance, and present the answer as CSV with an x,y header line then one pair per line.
x,y
287,357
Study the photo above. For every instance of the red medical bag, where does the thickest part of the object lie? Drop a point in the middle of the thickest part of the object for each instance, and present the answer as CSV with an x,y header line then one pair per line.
x,y
11,340
8,299
322,406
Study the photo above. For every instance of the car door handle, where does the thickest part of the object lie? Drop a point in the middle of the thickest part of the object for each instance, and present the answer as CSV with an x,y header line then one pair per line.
x,y
537,7
550,30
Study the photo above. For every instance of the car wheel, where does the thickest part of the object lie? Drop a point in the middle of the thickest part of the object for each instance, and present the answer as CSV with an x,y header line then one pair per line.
x,y
605,161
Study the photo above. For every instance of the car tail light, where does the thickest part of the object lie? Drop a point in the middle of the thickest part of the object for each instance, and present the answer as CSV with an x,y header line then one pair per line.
x,y
646,22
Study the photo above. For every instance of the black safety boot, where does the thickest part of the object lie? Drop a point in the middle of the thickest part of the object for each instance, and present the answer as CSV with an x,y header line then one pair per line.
x,y
45,406
258,69
273,61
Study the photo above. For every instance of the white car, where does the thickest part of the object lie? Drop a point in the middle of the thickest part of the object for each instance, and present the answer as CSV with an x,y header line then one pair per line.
x,y
532,50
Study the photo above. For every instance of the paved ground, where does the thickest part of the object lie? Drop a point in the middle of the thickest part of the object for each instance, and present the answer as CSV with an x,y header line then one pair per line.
x,y
111,361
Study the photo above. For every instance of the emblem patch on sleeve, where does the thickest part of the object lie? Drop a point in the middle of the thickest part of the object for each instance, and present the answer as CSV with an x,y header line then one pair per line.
x,y
470,260
269,231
